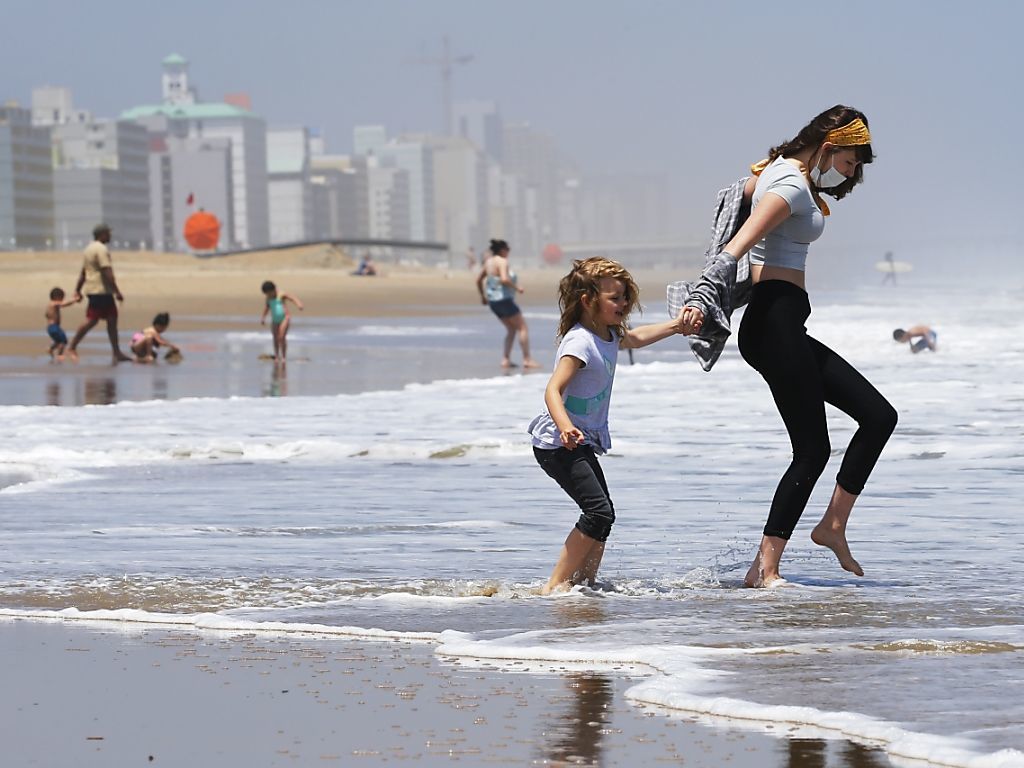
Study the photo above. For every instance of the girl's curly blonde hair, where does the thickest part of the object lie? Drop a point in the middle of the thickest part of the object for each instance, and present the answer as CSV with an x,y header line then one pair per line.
x,y
584,279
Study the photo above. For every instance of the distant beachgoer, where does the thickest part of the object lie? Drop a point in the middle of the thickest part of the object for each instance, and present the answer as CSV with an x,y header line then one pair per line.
x,y
57,335
145,343
919,337
826,157
97,279
497,286
280,317
366,267
596,298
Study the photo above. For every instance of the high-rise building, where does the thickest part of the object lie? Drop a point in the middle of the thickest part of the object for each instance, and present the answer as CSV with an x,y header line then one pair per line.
x,y
535,159
415,156
341,196
388,194
247,133
52,105
186,175
480,122
101,173
460,193
289,191
26,181
368,139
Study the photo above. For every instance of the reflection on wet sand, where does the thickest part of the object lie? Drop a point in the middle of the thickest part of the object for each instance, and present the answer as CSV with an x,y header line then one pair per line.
x,y
814,753
100,391
575,735
278,381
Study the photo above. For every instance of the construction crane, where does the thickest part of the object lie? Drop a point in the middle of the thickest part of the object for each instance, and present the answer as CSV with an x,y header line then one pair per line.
x,y
446,62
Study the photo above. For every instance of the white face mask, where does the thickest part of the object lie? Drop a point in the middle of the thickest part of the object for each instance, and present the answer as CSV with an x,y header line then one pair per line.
x,y
828,179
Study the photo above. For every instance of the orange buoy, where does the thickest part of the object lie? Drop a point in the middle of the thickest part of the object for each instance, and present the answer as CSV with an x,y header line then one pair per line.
x,y
552,254
202,231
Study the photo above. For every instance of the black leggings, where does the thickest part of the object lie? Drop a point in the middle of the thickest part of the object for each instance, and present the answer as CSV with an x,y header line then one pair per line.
x,y
803,374
580,476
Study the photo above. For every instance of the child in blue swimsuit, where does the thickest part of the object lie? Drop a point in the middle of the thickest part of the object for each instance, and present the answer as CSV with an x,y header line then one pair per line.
x,y
280,318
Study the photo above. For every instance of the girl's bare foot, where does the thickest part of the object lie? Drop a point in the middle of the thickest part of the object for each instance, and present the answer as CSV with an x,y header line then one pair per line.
x,y
835,539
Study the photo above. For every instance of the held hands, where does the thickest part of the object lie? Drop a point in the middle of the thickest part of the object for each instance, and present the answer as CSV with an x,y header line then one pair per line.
x,y
571,438
689,321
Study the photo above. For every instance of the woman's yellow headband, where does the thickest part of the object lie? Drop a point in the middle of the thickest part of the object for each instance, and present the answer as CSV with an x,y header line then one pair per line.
x,y
853,134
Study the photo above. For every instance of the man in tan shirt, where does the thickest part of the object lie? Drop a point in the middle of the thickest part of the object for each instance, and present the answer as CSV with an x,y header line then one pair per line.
x,y
97,279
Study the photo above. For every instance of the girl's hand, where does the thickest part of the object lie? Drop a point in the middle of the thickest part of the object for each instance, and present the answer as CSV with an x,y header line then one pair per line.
x,y
571,438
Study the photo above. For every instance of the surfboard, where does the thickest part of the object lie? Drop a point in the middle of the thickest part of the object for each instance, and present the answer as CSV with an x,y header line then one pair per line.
x,y
898,267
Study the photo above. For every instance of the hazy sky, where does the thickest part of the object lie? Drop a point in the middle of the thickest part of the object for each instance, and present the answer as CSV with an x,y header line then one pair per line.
x,y
693,89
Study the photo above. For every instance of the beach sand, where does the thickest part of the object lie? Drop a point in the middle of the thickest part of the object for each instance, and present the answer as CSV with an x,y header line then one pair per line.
x,y
86,694
224,292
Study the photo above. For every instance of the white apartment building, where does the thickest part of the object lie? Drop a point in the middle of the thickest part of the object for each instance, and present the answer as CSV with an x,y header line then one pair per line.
x,y
388,195
247,134
290,193
461,195
186,175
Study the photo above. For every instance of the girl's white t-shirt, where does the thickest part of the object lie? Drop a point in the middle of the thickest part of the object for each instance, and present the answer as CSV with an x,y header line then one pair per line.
x,y
588,394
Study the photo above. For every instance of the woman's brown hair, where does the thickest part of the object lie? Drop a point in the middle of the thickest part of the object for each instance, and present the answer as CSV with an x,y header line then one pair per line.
x,y
816,132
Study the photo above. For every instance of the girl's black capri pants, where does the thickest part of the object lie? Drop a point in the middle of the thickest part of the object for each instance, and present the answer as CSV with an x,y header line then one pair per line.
x,y
580,476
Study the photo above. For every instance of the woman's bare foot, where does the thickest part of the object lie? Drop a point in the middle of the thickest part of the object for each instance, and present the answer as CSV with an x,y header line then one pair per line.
x,y
530,363
764,571
121,357
73,356
756,578
506,363
825,535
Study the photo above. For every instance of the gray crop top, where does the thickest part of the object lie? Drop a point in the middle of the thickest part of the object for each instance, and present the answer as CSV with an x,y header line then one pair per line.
x,y
786,245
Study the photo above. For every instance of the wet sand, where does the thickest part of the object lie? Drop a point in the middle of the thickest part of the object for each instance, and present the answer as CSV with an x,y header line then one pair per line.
x,y
87,694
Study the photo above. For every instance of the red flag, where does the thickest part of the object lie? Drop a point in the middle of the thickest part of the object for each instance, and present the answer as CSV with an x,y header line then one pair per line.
x,y
191,198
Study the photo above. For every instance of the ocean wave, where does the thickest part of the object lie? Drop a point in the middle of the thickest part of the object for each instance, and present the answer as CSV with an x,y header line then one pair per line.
x,y
680,679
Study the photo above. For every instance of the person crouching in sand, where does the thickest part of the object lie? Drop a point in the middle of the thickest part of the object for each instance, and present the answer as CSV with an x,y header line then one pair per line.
x,y
145,343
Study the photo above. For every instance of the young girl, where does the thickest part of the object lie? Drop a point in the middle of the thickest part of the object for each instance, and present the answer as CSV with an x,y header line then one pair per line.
x,y
280,318
596,298
144,343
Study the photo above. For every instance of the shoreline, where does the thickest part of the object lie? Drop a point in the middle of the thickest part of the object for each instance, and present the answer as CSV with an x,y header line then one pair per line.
x,y
121,696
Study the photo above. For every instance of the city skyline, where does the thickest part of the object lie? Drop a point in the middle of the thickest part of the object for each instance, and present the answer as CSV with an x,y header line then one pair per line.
x,y
695,91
